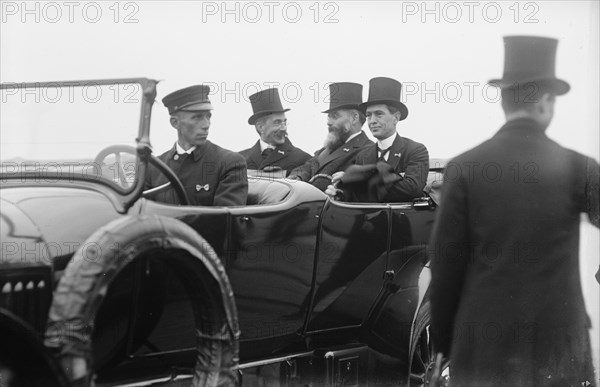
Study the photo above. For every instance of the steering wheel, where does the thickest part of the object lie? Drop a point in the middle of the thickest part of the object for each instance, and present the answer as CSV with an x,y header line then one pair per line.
x,y
122,173
116,150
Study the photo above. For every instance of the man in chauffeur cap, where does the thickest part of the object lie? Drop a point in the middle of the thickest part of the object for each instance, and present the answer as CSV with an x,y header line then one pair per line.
x,y
344,140
506,300
273,151
394,169
211,175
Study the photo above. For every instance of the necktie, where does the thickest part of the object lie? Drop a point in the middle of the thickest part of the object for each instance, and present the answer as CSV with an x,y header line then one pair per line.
x,y
382,154
267,152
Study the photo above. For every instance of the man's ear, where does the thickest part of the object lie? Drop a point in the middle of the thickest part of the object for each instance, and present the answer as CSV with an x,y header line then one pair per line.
x,y
546,101
174,120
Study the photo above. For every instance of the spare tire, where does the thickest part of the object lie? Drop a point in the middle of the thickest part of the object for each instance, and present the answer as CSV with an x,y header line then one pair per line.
x,y
84,284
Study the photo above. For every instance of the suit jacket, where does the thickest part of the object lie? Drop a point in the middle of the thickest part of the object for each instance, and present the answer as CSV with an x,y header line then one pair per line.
x,y
506,296
211,176
328,163
402,181
285,156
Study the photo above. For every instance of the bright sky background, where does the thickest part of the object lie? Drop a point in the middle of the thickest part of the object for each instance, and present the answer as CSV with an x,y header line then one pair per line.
x,y
452,46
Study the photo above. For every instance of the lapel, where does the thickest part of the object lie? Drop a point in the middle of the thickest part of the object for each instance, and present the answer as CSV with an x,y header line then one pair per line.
x,y
344,150
280,152
396,151
255,155
370,155
166,157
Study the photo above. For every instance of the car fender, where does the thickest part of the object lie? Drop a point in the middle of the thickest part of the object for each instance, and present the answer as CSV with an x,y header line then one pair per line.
x,y
105,253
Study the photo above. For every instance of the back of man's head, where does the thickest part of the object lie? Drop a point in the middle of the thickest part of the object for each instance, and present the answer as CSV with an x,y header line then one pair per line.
x,y
533,100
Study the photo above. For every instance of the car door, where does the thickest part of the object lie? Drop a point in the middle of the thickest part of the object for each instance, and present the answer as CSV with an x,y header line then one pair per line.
x,y
351,261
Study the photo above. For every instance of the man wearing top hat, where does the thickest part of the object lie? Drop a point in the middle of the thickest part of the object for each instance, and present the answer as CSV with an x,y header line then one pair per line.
x,y
506,300
211,175
394,169
344,140
273,151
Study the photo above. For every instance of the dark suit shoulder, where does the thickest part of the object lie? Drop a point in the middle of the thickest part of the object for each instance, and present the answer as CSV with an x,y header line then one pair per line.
x,y
299,153
254,148
412,144
228,155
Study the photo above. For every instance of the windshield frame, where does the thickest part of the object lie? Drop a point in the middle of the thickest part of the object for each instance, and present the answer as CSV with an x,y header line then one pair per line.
x,y
143,148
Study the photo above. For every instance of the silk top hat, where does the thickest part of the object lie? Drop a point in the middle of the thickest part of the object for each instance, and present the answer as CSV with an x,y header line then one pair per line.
x,y
530,59
190,99
385,91
344,95
264,103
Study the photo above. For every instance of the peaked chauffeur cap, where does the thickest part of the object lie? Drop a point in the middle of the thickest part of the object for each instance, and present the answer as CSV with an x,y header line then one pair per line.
x,y
190,99
530,59
344,95
385,91
264,103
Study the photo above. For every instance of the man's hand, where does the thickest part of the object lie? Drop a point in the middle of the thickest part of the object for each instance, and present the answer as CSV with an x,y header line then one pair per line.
x,y
336,177
332,191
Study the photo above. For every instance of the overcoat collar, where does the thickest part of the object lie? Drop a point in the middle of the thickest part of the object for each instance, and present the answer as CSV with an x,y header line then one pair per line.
x,y
525,126
280,152
197,153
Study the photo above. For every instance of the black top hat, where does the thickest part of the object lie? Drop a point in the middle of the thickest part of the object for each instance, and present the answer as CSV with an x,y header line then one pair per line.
x,y
530,59
385,91
344,95
264,103
190,99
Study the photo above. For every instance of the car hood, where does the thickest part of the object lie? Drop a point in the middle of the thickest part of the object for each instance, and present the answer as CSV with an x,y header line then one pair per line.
x,y
42,223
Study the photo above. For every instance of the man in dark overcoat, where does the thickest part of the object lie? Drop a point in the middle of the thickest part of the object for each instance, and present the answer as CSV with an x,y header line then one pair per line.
x,y
273,151
211,175
506,300
344,140
394,169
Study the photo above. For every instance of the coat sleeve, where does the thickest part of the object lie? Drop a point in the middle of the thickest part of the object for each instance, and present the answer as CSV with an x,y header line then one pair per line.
x,y
449,254
414,180
305,171
592,192
232,189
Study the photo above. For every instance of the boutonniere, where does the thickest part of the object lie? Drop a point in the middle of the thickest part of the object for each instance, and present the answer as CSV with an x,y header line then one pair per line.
x,y
205,187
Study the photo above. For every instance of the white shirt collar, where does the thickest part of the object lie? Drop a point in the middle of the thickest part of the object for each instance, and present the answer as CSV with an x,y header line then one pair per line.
x,y
354,135
181,151
264,145
386,143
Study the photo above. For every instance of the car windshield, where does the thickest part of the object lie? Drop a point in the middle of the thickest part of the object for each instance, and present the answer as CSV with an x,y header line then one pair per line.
x,y
69,130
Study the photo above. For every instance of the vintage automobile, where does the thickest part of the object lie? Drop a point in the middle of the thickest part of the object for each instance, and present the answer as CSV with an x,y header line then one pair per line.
x,y
102,286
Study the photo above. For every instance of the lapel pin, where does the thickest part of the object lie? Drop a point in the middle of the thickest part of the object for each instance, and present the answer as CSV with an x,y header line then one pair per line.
x,y
346,150
280,151
397,154
205,187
